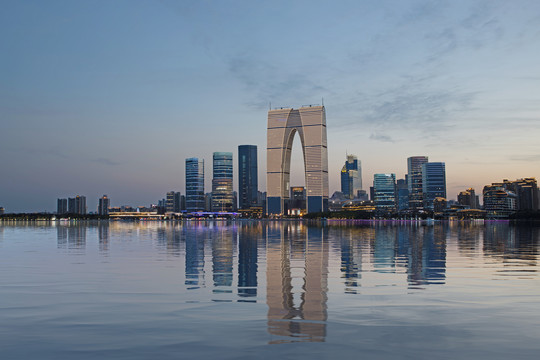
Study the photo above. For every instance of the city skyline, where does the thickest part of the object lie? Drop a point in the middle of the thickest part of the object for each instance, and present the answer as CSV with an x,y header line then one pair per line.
x,y
95,105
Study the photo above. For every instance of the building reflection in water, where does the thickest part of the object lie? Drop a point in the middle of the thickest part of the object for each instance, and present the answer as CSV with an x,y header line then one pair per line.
x,y
291,248
195,236
515,246
103,236
71,236
247,260
427,254
223,240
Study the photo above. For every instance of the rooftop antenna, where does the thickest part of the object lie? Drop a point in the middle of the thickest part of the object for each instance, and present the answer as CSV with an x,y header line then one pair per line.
x,y
270,105
322,101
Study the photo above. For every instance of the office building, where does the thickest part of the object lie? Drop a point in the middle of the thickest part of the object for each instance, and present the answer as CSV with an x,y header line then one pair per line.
x,y
62,206
77,205
248,185
414,181
2,210
351,177
103,205
173,202
194,184
499,202
222,182
384,188
433,183
526,191
310,124
468,198
402,189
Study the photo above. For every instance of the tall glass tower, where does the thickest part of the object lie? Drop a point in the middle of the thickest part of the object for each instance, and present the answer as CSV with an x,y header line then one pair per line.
x,y
222,182
414,179
384,186
351,177
194,184
247,176
433,182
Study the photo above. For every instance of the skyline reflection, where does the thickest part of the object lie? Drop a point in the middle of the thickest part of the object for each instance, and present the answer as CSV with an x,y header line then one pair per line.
x,y
294,267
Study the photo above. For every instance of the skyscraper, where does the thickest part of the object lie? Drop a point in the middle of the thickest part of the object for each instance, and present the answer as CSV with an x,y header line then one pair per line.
x,y
384,188
433,182
468,198
310,124
61,206
103,205
222,182
414,178
247,176
77,205
194,184
351,177
172,202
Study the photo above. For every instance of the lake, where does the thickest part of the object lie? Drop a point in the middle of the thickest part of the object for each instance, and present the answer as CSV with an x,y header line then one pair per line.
x,y
269,289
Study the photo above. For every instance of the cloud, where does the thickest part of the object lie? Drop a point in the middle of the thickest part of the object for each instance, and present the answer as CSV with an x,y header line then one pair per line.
x,y
106,161
526,158
380,137
267,82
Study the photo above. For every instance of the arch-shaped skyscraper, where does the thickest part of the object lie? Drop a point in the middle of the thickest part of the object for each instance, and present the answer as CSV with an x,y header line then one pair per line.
x,y
283,124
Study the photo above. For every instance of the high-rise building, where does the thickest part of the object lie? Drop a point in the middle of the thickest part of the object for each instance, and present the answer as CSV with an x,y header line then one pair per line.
x,y
351,177
103,205
402,194
77,205
499,202
194,184
526,191
222,182
414,181
310,124
433,183
468,198
173,202
247,176
62,206
2,210
384,188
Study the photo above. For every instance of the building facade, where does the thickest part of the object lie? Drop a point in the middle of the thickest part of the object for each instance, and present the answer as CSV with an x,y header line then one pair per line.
x,y
468,198
351,177
384,189
222,182
61,206
248,184
77,205
103,205
173,202
310,124
499,202
414,181
433,183
194,184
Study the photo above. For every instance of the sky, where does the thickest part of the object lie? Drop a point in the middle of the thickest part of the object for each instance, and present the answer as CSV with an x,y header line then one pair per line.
x,y
110,97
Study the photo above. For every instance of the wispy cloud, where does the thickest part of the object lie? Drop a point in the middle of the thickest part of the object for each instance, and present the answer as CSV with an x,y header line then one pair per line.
x,y
526,158
106,161
380,137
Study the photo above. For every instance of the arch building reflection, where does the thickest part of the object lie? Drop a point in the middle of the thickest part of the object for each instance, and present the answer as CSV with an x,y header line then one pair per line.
x,y
296,282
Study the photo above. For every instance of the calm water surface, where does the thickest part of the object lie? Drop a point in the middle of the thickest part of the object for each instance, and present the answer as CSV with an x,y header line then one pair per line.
x,y
247,289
